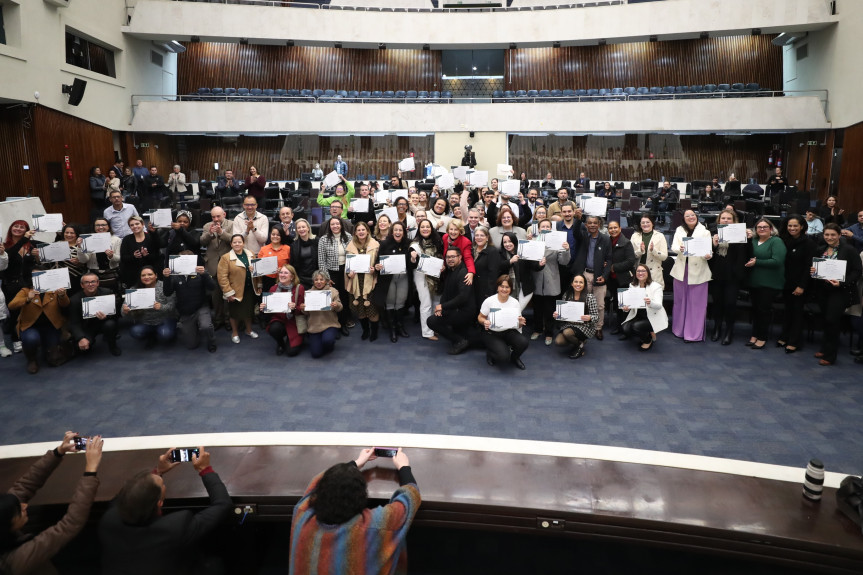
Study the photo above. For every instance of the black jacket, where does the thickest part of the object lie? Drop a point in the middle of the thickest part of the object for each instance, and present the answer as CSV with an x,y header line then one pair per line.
x,y
305,266
193,292
457,298
76,324
798,261
601,254
623,260
732,266
853,270
489,266
523,272
390,247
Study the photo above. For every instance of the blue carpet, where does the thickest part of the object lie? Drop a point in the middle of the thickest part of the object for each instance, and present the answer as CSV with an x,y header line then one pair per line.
x,y
702,398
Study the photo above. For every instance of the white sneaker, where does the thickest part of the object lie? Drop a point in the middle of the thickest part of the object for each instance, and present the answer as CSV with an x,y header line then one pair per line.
x,y
235,338
252,334
5,351
17,347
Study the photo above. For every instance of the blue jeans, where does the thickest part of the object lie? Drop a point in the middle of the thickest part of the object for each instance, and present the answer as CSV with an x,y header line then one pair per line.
x,y
164,332
322,343
45,334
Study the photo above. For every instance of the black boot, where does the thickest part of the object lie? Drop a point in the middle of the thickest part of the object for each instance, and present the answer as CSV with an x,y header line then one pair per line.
x,y
416,313
729,334
374,334
32,363
364,323
717,326
400,327
394,321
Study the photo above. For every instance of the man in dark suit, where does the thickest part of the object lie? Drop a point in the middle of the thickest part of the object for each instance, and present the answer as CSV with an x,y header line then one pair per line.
x,y
582,181
594,263
153,190
455,315
137,538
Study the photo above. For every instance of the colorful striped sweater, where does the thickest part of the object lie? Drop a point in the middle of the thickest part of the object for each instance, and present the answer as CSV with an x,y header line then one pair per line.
x,y
373,542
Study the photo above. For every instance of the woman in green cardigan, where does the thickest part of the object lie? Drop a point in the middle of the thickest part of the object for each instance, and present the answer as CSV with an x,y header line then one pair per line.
x,y
767,278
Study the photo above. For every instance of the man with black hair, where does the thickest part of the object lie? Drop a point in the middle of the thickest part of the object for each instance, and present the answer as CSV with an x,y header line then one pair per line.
x,y
137,539
455,315
333,530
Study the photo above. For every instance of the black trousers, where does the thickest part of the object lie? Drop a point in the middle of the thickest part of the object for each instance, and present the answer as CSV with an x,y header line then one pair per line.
x,y
792,324
338,277
108,328
833,305
499,343
278,332
453,326
543,307
762,311
724,294
639,327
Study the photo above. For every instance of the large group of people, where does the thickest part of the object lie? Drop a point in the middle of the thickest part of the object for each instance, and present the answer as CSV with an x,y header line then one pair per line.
x,y
476,236
333,531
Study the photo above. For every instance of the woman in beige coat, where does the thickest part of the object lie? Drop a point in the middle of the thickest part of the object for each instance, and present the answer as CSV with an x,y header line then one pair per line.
x,y
650,248
238,286
691,274
360,285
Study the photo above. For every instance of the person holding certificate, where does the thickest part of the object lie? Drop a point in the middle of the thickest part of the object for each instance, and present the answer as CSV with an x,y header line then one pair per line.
x,y
767,278
304,252
138,250
343,193
455,237
392,289
179,237
519,270
506,224
331,258
428,287
84,326
799,251
76,268
283,325
576,332
21,258
488,264
834,295
368,213
727,272
238,286
622,269
501,316
157,324
454,317
360,284
650,248
277,247
193,297
547,287
323,323
645,322
105,264
691,274
40,319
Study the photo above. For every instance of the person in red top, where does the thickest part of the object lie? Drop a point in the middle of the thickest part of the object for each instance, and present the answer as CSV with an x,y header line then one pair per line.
x,y
455,236
278,247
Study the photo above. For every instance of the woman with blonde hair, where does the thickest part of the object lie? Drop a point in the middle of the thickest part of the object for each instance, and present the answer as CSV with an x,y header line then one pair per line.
x,y
360,285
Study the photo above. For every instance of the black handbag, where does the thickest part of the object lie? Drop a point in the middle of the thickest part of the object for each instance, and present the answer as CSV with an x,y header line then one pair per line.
x,y
849,498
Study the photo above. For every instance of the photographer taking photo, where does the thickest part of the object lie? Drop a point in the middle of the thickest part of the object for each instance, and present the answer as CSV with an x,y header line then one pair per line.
x,y
469,158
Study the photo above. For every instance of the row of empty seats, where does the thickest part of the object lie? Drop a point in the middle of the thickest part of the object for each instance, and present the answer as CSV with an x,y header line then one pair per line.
x,y
736,90
306,95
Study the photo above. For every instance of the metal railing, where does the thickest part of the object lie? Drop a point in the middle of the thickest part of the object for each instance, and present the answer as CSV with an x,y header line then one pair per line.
x,y
315,5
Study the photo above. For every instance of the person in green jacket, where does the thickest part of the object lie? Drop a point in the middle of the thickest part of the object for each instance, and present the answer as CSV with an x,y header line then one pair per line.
x,y
767,278
340,195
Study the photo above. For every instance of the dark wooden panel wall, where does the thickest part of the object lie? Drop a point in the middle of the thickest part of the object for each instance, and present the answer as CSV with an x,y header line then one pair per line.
x,y
38,136
807,166
681,62
851,172
206,64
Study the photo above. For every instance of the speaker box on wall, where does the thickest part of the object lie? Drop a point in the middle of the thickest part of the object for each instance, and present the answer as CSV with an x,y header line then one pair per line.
x,y
75,91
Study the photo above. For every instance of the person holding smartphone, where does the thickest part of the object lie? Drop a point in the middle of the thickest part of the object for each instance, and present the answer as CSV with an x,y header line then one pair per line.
x,y
137,538
333,518
20,553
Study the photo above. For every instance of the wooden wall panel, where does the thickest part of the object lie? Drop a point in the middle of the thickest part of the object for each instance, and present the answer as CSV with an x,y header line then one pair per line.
x,y
680,62
208,64
851,172
809,167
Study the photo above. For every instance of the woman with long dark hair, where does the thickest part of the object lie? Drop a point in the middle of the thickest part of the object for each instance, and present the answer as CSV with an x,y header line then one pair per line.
x,y
391,291
332,246
520,270
831,213
576,334
691,274
137,250
427,242
547,288
644,323
503,344
158,324
21,258
799,251
278,248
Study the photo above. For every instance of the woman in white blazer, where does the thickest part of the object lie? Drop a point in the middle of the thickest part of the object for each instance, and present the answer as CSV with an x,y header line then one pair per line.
x,y
650,248
691,274
646,322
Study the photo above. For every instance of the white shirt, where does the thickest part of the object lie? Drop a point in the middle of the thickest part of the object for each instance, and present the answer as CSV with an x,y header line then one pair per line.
x,y
492,302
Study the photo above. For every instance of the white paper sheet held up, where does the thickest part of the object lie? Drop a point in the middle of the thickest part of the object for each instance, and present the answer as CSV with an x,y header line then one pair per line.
x,y
183,265
264,266
732,233
382,196
533,250
398,193
595,207
50,280
277,301
161,218
827,269
55,252
503,319
570,310
47,222
407,165
460,172
554,240
360,204
391,212
631,297
445,181
332,179
358,263
510,188
140,298
430,266
393,265
699,247
95,243
318,300
90,306
479,178
504,170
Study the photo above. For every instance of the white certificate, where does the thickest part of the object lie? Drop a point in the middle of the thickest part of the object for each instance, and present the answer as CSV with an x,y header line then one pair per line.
x,y
504,170
95,243
393,265
360,204
332,179
264,266
381,197
460,172
631,297
183,265
554,240
827,269
390,212
595,207
277,301
55,252
479,178
570,310
531,250
510,188
161,218
430,266
503,319
697,247
50,280
47,222
732,233
140,298
407,165
358,263
398,193
318,300
90,306
445,181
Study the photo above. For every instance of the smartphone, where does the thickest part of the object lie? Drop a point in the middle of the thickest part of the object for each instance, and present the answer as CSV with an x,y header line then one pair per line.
x,y
386,451
184,454
80,443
